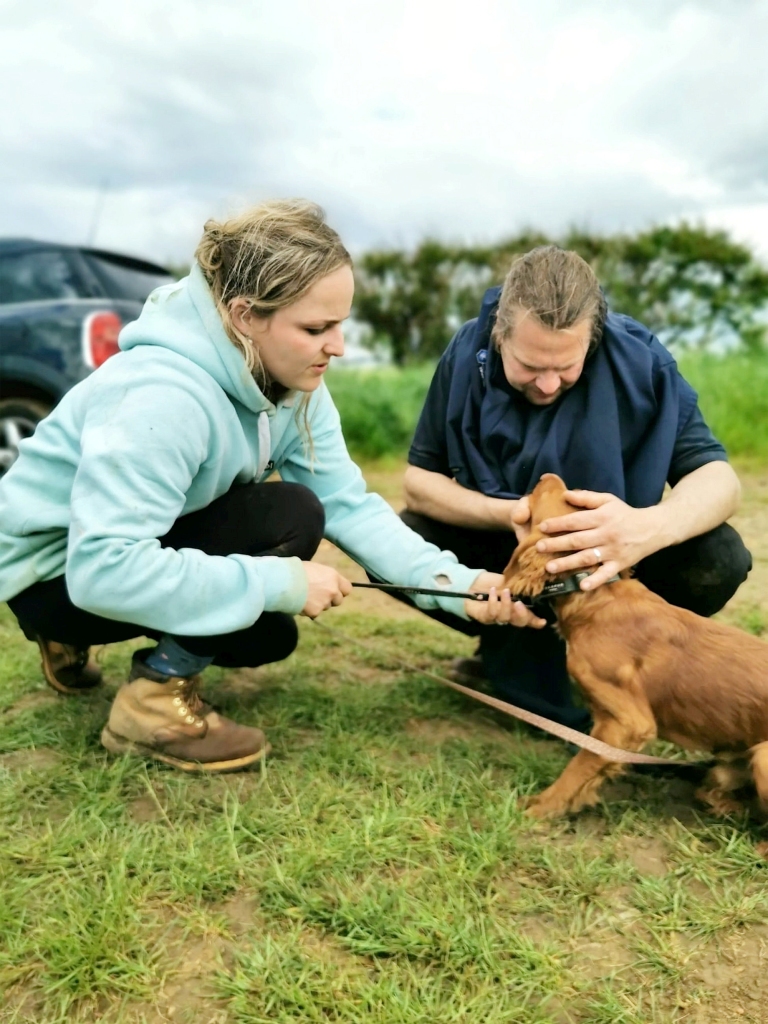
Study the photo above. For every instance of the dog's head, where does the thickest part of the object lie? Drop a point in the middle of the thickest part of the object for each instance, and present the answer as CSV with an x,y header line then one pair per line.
x,y
526,572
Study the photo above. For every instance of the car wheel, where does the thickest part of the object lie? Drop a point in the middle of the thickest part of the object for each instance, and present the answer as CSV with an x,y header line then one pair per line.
x,y
18,419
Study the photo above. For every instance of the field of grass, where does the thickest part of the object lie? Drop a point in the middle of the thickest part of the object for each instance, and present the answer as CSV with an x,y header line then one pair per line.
x,y
380,407
377,869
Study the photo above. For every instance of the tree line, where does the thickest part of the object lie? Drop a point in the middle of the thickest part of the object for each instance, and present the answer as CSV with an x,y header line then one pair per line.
x,y
691,285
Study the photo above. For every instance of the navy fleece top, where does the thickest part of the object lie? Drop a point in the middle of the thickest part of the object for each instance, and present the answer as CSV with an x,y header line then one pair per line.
x,y
629,425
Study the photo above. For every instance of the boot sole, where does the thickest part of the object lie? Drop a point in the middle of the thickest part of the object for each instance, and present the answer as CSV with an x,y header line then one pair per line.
x,y
68,691
119,745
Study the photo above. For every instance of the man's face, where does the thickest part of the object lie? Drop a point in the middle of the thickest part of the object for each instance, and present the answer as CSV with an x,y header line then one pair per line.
x,y
542,363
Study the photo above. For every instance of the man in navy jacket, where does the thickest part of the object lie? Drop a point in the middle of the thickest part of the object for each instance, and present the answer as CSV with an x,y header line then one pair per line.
x,y
547,380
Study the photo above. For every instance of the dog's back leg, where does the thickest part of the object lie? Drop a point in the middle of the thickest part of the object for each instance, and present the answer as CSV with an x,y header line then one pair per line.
x,y
760,774
759,764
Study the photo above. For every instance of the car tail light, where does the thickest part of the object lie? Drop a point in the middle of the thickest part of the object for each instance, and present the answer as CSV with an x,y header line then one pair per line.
x,y
100,333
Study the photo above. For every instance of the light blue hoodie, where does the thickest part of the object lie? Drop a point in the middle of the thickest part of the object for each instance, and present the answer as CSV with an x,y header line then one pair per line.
x,y
164,428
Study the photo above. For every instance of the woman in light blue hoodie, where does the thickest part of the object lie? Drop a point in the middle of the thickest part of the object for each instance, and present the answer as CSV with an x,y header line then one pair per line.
x,y
139,506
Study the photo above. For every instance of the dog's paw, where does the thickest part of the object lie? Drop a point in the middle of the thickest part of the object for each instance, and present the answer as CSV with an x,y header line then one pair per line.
x,y
526,574
720,804
541,807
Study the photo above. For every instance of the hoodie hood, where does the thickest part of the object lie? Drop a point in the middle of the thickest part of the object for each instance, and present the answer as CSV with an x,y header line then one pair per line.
x,y
183,318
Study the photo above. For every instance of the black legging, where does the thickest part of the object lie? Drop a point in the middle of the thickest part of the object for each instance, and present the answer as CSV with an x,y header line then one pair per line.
x,y
527,666
255,519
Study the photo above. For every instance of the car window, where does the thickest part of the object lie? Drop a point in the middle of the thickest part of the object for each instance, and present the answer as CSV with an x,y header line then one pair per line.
x,y
31,276
123,281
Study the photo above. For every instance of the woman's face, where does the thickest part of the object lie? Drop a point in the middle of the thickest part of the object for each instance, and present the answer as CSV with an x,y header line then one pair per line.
x,y
296,343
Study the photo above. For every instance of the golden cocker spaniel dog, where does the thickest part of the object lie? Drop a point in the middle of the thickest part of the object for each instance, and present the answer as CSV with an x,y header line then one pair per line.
x,y
648,669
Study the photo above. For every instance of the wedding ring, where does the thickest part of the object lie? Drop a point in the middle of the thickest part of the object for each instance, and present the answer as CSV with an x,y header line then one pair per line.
x,y
596,553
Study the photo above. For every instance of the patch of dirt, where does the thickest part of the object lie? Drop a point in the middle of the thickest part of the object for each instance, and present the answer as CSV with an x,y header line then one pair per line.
x,y
185,979
188,995
751,522
38,758
600,956
29,702
647,856
537,929
242,682
21,1006
372,676
144,809
321,946
438,730
243,914
732,977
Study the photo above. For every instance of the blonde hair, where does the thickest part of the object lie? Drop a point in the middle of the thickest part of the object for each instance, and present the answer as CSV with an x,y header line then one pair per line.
x,y
557,287
271,254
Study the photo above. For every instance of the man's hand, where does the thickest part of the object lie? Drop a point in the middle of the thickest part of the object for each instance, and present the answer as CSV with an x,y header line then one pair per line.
x,y
499,609
609,532
326,588
521,518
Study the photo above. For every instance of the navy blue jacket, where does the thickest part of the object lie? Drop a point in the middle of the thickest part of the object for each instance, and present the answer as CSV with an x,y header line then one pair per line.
x,y
630,424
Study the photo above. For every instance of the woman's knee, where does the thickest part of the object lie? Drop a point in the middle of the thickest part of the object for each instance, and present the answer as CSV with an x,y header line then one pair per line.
x,y
254,519
303,518
273,637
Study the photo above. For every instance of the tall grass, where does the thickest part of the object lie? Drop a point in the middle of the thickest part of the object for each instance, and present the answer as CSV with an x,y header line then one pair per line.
x,y
733,395
380,407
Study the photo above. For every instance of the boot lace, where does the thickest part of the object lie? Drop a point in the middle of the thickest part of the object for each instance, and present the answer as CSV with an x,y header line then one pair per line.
x,y
188,701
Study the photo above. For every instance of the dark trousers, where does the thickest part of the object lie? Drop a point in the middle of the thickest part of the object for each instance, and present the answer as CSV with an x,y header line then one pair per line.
x,y
256,519
527,666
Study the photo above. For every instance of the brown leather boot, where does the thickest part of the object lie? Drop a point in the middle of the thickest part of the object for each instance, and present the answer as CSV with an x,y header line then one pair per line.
x,y
163,717
67,668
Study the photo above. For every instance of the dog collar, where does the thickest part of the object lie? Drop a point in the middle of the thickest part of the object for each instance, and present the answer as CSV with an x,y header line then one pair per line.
x,y
567,586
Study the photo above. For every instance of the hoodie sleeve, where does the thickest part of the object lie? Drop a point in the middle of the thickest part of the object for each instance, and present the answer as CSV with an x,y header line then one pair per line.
x,y
139,457
362,523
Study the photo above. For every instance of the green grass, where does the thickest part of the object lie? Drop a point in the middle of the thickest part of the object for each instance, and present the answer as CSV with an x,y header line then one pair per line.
x,y
379,408
733,395
378,868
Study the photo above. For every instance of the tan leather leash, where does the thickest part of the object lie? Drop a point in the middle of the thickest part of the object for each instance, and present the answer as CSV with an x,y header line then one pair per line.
x,y
563,732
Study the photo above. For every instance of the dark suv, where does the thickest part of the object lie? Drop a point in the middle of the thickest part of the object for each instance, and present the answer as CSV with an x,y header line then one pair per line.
x,y
61,309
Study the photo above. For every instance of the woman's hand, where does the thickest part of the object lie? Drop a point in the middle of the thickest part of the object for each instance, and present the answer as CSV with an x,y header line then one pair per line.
x,y
326,588
499,609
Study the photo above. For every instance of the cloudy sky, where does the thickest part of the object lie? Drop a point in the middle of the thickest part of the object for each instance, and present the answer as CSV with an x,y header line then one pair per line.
x,y
128,124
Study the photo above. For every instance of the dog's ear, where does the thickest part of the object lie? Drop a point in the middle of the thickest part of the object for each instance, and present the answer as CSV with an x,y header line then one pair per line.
x,y
526,573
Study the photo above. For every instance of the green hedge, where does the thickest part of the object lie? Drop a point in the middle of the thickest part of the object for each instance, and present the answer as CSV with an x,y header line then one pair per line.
x,y
379,407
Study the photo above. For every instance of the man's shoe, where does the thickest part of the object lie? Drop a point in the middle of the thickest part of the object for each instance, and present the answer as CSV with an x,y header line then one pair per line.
x,y
162,717
67,668
468,671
